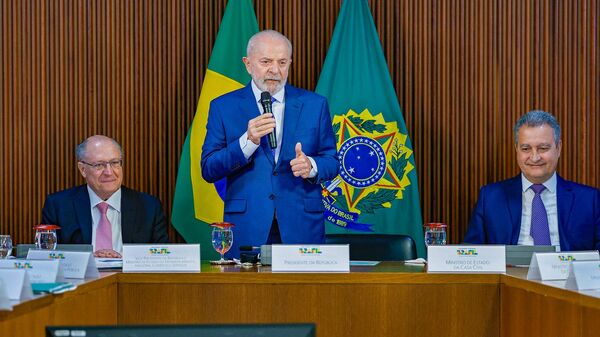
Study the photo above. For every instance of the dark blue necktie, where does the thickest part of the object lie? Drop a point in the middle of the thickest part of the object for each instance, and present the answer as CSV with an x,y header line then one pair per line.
x,y
539,218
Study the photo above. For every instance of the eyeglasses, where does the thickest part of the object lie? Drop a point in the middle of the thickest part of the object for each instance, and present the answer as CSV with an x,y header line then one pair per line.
x,y
114,164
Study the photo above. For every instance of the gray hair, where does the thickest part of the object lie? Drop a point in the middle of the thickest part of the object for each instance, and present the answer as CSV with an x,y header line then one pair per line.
x,y
270,33
81,148
537,118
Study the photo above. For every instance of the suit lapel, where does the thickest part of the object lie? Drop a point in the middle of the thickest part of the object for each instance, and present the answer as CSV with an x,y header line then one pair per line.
x,y
129,209
514,196
84,213
293,110
564,201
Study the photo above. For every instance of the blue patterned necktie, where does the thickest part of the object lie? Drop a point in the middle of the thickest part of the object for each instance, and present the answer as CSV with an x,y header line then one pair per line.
x,y
539,218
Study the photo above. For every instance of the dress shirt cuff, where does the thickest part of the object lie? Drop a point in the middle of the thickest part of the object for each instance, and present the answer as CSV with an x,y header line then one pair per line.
x,y
247,146
313,170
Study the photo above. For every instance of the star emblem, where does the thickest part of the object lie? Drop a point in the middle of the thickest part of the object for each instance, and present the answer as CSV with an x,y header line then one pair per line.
x,y
361,178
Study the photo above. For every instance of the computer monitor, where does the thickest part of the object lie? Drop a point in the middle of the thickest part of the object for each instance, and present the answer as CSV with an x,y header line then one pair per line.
x,y
23,249
521,255
212,330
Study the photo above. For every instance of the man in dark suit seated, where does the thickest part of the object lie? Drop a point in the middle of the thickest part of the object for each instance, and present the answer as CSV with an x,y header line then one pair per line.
x,y
103,212
537,207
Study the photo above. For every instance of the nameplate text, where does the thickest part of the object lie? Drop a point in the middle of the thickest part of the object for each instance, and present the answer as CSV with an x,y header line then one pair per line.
x,y
169,258
555,266
74,264
466,259
310,258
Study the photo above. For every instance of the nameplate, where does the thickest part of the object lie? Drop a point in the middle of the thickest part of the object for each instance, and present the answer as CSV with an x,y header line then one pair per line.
x,y
181,258
4,300
310,258
555,266
17,285
74,264
583,275
466,259
39,271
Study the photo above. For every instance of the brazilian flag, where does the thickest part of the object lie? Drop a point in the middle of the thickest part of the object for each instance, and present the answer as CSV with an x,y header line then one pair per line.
x,y
197,203
377,188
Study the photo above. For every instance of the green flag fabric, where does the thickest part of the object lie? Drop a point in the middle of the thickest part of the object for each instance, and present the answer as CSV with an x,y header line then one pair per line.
x,y
197,203
377,189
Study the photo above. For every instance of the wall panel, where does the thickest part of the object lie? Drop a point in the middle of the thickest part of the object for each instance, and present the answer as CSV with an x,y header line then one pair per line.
x,y
463,71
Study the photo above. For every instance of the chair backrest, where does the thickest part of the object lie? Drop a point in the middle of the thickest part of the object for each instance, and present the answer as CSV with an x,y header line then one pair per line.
x,y
376,247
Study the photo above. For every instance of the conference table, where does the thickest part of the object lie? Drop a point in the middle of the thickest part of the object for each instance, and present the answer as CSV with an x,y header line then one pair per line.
x,y
389,299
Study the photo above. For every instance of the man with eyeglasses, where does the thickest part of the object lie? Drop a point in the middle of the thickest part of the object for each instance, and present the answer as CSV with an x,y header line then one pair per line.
x,y
103,212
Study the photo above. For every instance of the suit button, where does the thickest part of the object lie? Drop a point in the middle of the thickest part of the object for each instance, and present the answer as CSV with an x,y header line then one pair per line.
x,y
272,197
275,173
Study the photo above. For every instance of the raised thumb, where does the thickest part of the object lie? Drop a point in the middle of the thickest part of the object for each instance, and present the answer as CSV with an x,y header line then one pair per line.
x,y
298,149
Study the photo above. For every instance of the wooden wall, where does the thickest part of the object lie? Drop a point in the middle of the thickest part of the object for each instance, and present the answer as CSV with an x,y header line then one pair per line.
x,y
463,71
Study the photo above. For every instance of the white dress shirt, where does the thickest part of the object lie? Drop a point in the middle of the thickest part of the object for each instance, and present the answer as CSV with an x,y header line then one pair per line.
x,y
278,107
549,199
114,217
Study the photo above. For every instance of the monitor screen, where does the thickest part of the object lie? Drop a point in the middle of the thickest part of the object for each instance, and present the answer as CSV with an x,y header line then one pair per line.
x,y
213,330
23,249
521,255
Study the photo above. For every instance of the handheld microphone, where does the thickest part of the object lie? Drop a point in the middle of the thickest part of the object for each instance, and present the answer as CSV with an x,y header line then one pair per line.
x,y
265,100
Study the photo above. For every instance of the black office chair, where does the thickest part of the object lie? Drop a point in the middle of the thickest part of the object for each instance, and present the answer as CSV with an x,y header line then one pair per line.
x,y
376,247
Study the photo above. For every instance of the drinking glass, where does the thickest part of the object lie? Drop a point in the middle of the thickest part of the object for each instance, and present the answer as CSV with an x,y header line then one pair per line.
x,y
222,239
5,246
435,234
45,236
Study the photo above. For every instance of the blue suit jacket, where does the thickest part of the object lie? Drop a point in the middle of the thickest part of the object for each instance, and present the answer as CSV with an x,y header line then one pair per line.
x,y
497,215
142,216
258,188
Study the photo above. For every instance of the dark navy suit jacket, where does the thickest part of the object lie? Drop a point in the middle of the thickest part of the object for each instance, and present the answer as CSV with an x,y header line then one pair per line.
x,y
142,216
497,215
259,187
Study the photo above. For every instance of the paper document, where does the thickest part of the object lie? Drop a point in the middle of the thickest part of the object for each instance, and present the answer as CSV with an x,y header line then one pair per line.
x,y
104,263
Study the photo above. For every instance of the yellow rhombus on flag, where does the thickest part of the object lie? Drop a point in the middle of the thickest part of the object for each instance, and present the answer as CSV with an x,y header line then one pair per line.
x,y
197,203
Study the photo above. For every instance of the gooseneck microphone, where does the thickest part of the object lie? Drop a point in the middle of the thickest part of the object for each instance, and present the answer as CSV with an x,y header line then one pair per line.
x,y
265,100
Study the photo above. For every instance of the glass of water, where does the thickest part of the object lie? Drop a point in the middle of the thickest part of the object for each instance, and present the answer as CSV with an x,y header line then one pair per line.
x,y
435,233
6,246
222,239
45,236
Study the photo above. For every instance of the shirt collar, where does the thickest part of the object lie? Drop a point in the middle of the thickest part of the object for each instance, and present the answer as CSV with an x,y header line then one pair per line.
x,y
114,201
279,96
550,184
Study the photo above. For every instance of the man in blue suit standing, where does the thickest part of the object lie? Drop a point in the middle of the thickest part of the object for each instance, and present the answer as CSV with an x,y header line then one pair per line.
x,y
537,207
103,212
272,195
